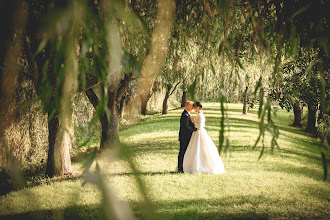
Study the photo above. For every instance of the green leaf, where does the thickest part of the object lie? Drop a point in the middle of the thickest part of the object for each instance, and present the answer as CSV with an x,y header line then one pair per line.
x,y
212,68
326,47
240,64
90,159
310,66
276,144
220,48
227,145
262,151
222,125
258,85
269,111
322,93
293,41
41,46
257,141
261,102
301,10
51,115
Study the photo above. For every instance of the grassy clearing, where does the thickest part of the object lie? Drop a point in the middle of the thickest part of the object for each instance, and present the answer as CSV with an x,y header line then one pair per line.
x,y
286,184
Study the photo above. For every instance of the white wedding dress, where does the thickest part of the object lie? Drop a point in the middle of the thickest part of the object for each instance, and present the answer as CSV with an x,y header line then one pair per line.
x,y
202,155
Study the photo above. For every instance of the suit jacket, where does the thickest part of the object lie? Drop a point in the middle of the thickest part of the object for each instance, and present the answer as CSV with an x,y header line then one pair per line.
x,y
186,127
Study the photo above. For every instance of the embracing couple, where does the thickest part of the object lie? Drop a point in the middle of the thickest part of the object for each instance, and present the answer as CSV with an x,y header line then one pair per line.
x,y
198,153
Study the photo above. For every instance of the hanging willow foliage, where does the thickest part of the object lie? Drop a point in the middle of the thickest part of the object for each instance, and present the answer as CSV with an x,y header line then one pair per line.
x,y
274,29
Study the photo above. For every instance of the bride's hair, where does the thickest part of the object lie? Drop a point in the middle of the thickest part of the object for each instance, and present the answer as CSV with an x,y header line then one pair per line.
x,y
198,104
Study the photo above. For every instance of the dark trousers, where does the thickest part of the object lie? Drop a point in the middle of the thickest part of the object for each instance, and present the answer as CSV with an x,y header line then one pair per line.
x,y
183,148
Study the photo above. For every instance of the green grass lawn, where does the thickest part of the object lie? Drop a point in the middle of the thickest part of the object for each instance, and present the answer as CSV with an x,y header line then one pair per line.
x,y
281,185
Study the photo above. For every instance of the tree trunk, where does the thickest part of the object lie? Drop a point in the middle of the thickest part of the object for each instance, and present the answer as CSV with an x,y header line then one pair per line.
x,y
184,98
167,97
63,146
311,119
321,114
144,103
121,109
60,143
110,131
145,100
53,128
245,101
298,112
110,128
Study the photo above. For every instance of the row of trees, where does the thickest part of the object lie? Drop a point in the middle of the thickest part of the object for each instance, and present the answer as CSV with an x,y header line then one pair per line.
x,y
302,84
120,53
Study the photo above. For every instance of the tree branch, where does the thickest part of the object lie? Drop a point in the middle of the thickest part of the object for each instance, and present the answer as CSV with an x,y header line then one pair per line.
x,y
124,83
92,97
33,69
175,88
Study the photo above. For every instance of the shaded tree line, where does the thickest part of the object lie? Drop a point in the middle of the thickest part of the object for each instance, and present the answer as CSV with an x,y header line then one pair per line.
x,y
101,49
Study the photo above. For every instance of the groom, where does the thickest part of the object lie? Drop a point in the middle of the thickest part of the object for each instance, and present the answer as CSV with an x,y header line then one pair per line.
x,y
186,130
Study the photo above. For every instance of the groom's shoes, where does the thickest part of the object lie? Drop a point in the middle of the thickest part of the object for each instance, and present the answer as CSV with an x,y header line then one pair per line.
x,y
180,171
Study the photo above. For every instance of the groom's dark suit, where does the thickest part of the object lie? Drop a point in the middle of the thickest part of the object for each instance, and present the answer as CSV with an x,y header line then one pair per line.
x,y
186,130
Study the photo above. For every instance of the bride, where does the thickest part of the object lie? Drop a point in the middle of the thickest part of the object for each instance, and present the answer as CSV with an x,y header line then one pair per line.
x,y
202,154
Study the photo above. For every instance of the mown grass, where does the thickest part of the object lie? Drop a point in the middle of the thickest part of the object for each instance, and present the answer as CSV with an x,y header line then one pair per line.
x,y
281,185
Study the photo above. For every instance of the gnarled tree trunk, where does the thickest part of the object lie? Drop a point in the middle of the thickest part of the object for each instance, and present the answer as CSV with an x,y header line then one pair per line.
x,y
110,129
121,109
144,103
167,97
146,98
298,112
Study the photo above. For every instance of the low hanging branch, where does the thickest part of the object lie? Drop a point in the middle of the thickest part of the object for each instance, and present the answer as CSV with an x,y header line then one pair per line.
x,y
174,88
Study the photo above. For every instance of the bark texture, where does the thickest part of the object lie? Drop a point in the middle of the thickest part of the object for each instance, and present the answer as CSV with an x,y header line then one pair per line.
x,y
110,123
298,112
146,97
60,143
184,98
311,119
167,97
53,127
144,103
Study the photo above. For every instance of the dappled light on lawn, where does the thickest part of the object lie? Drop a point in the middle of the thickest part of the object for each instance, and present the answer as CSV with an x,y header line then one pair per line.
x,y
282,184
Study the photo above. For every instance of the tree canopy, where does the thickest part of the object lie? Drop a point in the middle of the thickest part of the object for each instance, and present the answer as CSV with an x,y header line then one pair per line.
x,y
116,51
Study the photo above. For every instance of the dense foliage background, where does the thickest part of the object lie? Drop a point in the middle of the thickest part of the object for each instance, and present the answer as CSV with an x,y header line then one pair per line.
x,y
75,73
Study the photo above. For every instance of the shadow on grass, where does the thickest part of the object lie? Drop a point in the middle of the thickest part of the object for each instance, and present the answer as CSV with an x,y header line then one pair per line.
x,y
246,208
70,212
298,171
146,173
7,186
185,209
